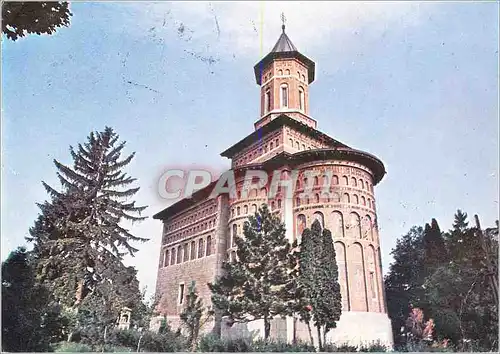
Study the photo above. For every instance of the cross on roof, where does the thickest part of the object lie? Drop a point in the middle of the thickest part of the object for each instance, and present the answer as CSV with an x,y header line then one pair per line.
x,y
283,21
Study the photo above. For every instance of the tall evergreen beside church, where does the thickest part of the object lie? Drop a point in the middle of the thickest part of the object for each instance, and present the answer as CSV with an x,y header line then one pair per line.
x,y
80,236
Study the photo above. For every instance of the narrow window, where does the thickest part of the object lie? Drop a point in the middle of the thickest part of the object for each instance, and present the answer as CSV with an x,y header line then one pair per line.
x,y
267,101
233,243
245,209
181,293
179,254
193,250
372,284
287,72
238,211
301,99
185,252
271,146
200,248
277,141
209,245
284,96
172,256
165,258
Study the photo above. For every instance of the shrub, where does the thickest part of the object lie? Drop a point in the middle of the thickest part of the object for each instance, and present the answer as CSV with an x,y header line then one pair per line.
x,y
374,347
339,348
71,347
211,343
281,346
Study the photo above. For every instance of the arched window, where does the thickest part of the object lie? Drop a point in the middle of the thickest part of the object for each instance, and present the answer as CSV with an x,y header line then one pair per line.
x,y
298,75
238,211
271,146
193,250
172,257
186,252
301,99
363,200
325,180
179,254
291,142
356,199
316,198
316,180
335,179
209,245
346,198
297,145
353,182
280,72
297,201
338,224
303,77
287,72
284,95
165,258
345,180
201,247
254,208
303,147
354,225
277,142
362,184
233,238
245,209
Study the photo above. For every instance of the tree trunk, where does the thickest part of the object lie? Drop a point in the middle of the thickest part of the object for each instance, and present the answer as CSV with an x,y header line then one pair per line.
x,y
320,347
267,327
294,330
311,339
324,336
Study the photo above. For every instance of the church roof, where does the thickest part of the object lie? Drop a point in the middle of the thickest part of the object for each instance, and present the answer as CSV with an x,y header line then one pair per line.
x,y
284,44
276,123
284,49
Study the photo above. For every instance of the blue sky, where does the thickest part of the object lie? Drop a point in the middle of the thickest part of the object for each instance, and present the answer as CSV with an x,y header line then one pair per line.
x,y
414,83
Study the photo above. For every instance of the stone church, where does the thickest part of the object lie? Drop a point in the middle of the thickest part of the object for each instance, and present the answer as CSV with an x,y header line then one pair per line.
x,y
198,232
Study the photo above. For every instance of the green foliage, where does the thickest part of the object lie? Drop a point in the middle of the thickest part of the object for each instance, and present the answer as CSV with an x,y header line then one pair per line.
x,y
21,18
375,347
71,347
254,286
318,279
80,240
212,343
445,275
30,322
346,348
192,316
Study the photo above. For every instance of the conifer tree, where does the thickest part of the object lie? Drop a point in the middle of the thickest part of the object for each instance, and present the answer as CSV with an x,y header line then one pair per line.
x,y
79,237
318,277
254,285
193,316
435,253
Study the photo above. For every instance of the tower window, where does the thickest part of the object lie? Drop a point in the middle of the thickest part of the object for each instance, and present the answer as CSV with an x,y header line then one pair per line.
x,y
267,101
181,293
287,72
284,96
301,99
280,72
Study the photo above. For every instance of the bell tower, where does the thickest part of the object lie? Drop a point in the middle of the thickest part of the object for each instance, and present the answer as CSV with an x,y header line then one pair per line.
x,y
284,76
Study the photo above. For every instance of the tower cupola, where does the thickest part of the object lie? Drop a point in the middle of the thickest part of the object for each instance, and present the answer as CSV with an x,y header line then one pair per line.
x,y
284,76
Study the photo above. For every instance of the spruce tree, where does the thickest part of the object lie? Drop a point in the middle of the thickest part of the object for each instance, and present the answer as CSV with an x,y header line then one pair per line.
x,y
193,316
79,237
254,285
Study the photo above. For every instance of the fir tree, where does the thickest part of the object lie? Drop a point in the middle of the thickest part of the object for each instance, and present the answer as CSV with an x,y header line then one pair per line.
x,y
79,237
254,285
